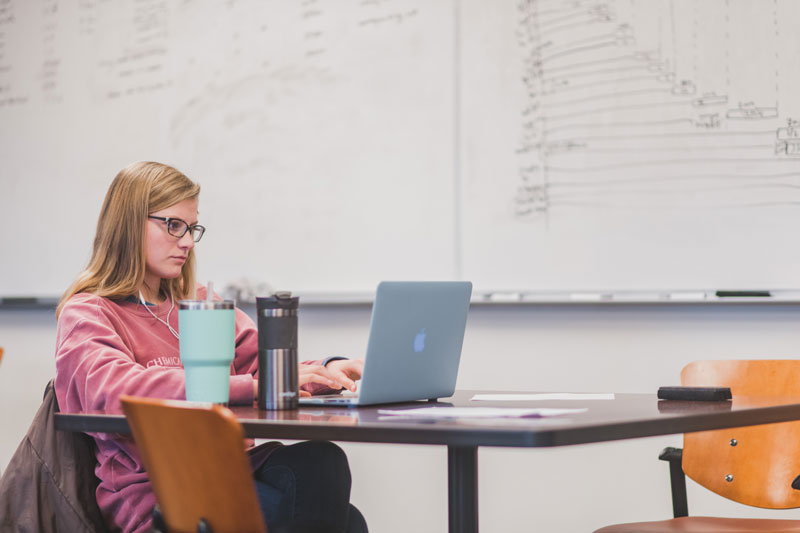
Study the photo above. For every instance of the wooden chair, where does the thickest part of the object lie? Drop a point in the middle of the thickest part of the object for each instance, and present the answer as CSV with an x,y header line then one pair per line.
x,y
196,462
756,465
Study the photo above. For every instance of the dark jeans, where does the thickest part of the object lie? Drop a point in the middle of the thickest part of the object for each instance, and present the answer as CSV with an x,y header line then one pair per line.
x,y
305,487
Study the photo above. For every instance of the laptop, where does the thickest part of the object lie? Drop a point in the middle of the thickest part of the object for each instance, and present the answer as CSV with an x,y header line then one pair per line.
x,y
414,347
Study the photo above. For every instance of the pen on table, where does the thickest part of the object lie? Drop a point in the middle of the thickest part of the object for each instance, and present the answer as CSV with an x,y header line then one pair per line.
x,y
743,294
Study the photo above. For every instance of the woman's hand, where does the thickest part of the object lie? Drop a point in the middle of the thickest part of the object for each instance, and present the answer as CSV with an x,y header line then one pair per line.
x,y
341,373
308,374
346,372
317,374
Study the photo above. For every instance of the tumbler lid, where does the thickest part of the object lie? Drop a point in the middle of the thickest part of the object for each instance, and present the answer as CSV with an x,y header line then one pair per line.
x,y
279,300
205,304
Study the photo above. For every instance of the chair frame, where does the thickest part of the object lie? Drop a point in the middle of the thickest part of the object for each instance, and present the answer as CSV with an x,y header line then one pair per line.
x,y
680,502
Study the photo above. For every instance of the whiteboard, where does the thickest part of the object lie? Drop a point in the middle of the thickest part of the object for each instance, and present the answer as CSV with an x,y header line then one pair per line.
x,y
536,145
631,144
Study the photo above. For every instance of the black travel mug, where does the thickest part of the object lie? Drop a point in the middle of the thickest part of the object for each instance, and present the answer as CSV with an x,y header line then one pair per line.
x,y
277,351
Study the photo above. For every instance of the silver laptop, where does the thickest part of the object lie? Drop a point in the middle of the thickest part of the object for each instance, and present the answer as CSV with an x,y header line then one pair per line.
x,y
414,346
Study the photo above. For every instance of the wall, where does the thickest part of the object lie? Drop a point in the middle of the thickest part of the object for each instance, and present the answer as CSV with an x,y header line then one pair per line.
x,y
577,348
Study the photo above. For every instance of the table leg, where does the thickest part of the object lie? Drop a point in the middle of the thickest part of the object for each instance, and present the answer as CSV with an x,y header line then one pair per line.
x,y
462,487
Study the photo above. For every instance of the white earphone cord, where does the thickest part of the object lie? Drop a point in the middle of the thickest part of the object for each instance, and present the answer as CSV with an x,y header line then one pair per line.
x,y
166,323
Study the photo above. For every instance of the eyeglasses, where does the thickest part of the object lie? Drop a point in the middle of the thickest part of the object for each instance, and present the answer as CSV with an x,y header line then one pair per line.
x,y
178,228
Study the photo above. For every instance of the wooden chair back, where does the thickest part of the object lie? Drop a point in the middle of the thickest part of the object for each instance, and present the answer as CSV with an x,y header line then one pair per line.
x,y
753,465
196,462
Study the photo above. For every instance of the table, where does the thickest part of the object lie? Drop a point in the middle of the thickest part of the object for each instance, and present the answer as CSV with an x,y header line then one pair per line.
x,y
626,416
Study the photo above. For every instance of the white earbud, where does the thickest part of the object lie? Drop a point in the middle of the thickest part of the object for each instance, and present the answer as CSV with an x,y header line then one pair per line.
x,y
166,323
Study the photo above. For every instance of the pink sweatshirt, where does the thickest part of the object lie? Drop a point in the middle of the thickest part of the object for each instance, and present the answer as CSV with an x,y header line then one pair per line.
x,y
108,348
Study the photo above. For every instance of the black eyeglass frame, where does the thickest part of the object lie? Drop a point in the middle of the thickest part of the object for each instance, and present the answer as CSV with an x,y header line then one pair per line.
x,y
186,227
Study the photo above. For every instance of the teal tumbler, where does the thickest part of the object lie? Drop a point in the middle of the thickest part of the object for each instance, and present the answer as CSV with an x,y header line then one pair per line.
x,y
207,342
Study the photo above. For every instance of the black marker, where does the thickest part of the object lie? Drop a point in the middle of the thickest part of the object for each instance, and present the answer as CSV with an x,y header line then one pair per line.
x,y
743,294
26,302
18,300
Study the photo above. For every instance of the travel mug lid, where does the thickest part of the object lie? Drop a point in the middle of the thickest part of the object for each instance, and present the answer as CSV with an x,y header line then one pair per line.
x,y
279,300
205,304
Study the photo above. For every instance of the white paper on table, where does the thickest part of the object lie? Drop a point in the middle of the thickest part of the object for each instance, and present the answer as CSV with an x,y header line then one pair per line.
x,y
544,396
477,412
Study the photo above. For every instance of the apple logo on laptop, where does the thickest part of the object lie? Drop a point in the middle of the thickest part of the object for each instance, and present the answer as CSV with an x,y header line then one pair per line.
x,y
419,341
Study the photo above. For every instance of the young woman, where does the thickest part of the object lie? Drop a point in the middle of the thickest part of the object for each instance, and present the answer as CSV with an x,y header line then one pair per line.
x,y
118,334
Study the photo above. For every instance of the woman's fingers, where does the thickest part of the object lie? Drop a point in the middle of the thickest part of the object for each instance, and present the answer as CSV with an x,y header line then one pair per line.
x,y
346,372
316,374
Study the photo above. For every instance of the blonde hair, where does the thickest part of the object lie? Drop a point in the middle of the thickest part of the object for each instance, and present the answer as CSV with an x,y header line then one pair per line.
x,y
117,266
